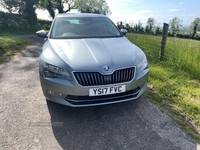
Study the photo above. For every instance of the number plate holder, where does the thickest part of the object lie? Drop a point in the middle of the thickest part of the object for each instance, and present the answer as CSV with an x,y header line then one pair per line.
x,y
107,90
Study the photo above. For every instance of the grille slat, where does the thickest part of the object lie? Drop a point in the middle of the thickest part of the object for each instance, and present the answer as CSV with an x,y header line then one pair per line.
x,y
127,75
89,78
117,76
85,79
82,79
92,77
96,78
124,75
121,79
102,79
130,74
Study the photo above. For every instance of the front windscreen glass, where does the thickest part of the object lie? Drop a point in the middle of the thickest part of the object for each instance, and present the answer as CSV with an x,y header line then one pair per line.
x,y
97,27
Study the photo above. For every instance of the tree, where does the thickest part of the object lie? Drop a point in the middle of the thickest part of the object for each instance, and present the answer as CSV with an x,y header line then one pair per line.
x,y
150,25
52,5
195,26
84,6
128,27
10,5
59,4
25,7
157,30
47,5
175,25
93,6
140,29
121,26
135,28
50,8
146,29
29,11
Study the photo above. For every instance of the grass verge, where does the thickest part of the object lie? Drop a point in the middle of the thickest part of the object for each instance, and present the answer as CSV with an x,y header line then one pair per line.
x,y
16,32
174,83
9,47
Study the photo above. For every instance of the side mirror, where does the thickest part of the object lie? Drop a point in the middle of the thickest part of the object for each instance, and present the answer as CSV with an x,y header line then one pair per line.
x,y
124,31
42,33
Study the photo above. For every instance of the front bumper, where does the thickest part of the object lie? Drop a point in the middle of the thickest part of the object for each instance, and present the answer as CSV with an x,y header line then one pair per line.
x,y
70,93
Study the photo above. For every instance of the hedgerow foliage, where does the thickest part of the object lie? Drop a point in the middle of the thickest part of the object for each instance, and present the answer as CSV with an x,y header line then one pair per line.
x,y
13,22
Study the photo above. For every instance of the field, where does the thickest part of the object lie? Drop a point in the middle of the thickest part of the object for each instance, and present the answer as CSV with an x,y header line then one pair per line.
x,y
174,83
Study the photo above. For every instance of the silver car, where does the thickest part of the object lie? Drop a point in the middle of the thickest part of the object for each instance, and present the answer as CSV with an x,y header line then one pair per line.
x,y
87,61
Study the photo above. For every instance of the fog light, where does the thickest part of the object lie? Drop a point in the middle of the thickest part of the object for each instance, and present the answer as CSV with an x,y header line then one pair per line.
x,y
60,95
51,92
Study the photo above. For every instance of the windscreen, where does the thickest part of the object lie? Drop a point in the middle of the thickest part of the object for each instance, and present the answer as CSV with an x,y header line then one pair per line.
x,y
98,27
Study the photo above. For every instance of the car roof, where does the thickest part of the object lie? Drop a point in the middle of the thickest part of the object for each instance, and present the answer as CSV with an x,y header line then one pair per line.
x,y
79,15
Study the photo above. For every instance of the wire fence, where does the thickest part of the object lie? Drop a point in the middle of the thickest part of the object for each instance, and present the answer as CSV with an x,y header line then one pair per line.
x,y
186,32
182,54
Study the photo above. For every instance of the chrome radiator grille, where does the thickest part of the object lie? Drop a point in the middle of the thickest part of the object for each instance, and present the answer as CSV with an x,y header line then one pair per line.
x,y
96,78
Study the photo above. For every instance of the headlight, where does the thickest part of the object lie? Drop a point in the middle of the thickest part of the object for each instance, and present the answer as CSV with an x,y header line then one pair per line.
x,y
51,71
142,65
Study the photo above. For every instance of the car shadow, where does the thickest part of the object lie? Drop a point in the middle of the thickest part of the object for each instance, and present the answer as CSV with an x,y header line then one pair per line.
x,y
117,126
90,127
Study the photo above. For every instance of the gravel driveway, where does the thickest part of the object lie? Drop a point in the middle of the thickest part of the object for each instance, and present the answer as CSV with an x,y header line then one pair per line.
x,y
29,122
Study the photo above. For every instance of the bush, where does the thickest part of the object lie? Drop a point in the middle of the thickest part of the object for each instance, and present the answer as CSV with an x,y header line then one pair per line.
x,y
180,35
197,37
9,21
16,22
186,36
44,24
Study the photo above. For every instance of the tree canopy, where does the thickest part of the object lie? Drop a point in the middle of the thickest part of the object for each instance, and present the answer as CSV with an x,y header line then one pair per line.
x,y
195,26
52,5
25,7
150,25
28,7
175,25
93,6
84,6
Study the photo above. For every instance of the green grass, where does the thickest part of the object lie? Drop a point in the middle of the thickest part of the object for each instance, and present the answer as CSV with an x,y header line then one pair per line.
x,y
174,83
16,32
9,47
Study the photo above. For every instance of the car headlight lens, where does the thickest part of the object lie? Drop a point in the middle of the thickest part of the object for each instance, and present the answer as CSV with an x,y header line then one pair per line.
x,y
142,65
51,71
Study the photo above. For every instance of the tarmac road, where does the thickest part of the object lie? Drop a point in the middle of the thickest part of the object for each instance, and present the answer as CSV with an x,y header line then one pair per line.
x,y
29,122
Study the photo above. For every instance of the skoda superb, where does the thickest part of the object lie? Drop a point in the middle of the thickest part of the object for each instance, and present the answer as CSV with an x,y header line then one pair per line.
x,y
87,61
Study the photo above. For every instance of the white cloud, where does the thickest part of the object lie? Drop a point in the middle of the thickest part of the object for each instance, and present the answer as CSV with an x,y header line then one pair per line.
x,y
173,10
187,15
181,3
141,12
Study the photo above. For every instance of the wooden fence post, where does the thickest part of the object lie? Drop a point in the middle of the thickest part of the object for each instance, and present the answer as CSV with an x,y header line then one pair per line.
x,y
164,40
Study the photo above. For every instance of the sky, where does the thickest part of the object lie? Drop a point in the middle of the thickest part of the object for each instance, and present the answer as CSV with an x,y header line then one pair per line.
x,y
161,10
134,11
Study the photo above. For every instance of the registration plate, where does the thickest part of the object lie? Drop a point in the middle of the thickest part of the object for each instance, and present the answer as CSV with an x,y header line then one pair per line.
x,y
107,90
